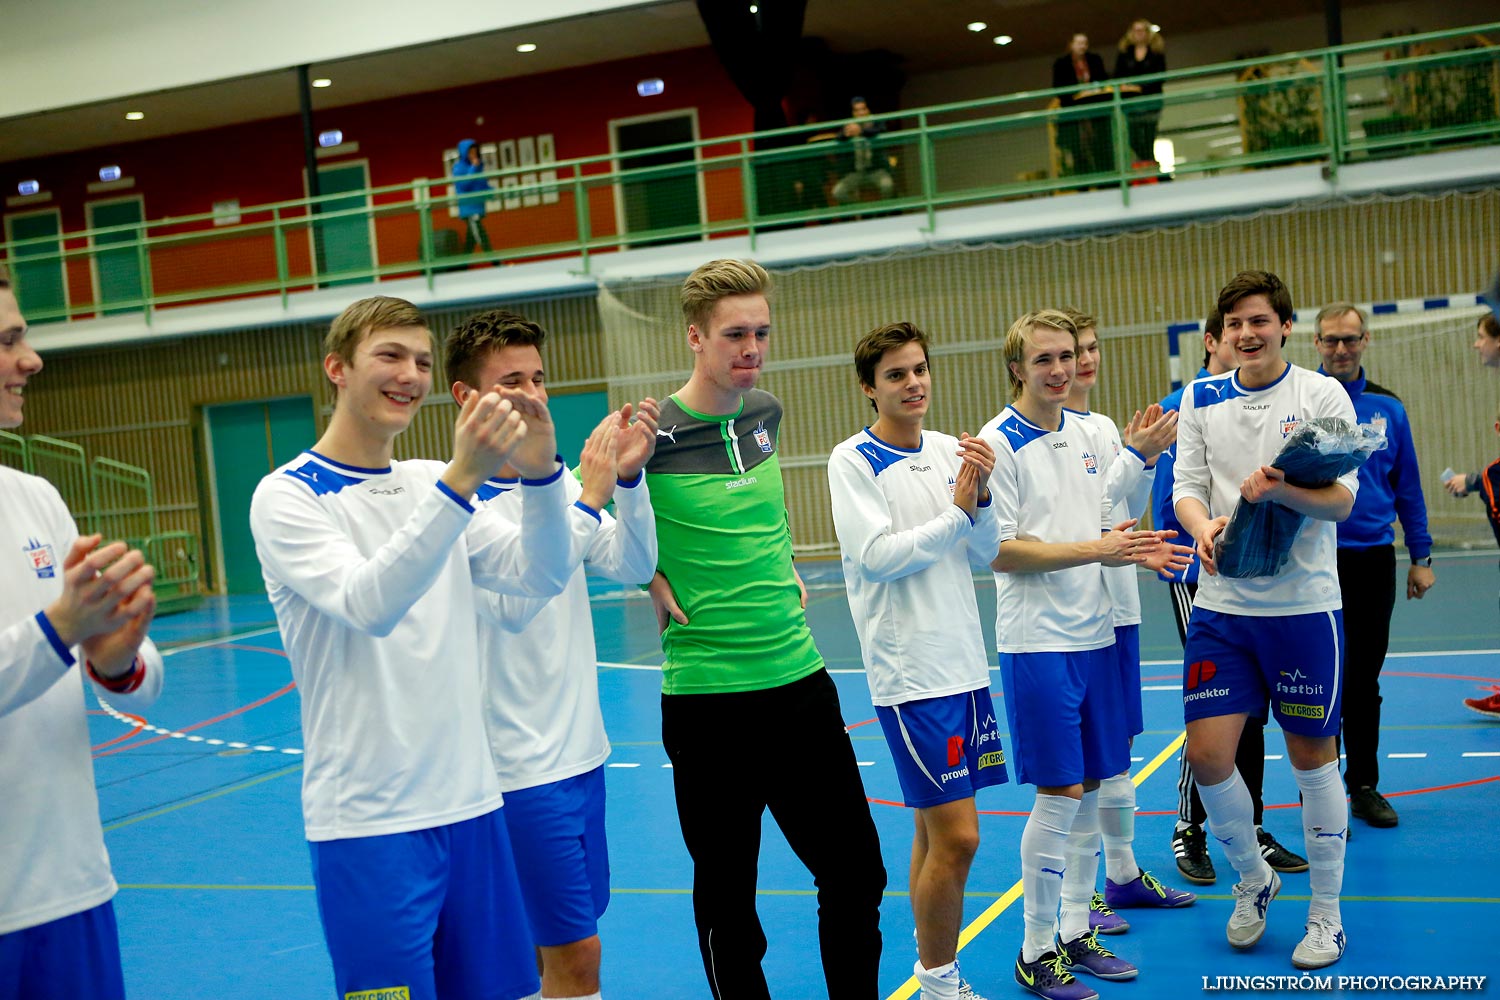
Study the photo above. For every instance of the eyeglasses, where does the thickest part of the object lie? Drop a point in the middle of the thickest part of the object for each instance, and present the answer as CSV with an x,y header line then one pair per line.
x,y
1334,343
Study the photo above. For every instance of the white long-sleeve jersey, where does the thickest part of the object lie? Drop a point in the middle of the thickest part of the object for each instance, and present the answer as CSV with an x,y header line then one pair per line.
x,y
1127,484
541,669
1049,487
1225,433
372,575
905,548
52,858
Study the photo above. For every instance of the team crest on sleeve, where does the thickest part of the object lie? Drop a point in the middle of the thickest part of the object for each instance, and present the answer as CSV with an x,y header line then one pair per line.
x,y
1288,424
763,437
43,561
1091,464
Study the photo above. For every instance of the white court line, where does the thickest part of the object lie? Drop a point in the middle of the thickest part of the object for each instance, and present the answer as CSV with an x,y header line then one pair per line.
x,y
236,637
1405,756
624,765
1274,756
1482,753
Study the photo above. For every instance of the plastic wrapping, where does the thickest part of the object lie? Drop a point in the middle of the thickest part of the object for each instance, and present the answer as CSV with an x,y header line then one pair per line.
x,y
1259,537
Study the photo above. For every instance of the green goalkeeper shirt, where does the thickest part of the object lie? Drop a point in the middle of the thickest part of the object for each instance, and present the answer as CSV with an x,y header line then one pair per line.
x,y
726,548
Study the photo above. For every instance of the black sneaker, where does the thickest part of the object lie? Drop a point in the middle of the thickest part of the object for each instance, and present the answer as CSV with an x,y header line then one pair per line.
x,y
1369,805
1278,857
1191,848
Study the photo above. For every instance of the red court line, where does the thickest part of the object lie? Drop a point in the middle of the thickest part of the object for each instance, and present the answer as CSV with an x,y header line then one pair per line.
x,y
1173,812
856,725
140,723
206,722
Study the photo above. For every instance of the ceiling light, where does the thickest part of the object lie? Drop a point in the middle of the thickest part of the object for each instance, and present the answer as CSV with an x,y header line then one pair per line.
x,y
110,173
28,188
526,47
134,116
1003,39
1156,27
322,81
977,25
651,87
332,137
754,9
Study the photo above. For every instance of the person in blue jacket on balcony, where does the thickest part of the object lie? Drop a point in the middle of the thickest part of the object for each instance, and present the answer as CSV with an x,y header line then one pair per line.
x,y
473,193
1390,487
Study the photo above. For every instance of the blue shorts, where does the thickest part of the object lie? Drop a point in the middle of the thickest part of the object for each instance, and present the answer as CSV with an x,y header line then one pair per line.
x,y
63,959
436,912
1066,723
945,748
562,858
1236,663
1128,655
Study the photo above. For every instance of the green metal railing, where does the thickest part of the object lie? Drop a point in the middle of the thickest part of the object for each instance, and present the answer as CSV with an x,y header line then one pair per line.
x,y
118,501
1395,97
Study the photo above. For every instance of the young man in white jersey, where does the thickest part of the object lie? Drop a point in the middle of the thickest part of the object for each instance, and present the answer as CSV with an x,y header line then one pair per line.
x,y
371,567
541,672
1276,638
910,507
1054,629
73,619
1188,842
1128,486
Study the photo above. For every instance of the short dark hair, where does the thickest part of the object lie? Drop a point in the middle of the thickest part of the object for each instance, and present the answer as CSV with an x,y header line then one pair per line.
x,y
873,345
1082,320
1248,283
471,342
1214,327
1490,325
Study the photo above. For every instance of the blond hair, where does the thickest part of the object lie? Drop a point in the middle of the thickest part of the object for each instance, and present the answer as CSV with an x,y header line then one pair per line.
x,y
362,318
719,279
1019,336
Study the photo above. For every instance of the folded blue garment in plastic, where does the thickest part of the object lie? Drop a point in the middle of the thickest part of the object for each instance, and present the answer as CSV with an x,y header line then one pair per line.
x,y
1258,539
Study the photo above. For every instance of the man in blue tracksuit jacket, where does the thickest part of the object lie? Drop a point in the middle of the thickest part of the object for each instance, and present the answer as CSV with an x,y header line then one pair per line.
x,y
471,208
1188,841
1390,487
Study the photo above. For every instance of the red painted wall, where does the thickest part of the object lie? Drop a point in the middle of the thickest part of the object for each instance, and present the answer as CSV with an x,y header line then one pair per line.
x,y
401,138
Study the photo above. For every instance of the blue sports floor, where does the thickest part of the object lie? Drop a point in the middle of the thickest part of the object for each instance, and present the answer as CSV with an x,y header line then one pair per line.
x,y
204,829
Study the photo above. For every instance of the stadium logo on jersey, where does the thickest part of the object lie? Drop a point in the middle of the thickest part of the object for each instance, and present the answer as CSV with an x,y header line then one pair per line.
x,y
1090,464
43,562
1200,673
670,434
763,437
1288,424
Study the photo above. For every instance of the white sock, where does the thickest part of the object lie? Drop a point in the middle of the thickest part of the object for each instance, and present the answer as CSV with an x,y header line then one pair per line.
x,y
938,984
1117,826
1182,824
1231,819
1325,825
1043,844
1082,876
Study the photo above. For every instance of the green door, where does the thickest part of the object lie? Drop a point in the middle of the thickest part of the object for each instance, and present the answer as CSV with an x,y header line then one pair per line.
x,y
119,271
39,284
247,441
575,415
668,198
343,245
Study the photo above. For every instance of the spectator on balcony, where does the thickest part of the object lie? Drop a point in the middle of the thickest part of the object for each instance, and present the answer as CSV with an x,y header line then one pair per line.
x,y
473,193
1084,143
870,169
1142,53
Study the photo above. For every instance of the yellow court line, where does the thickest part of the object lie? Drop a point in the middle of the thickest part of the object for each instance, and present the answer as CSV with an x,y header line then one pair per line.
x,y
202,798
999,906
